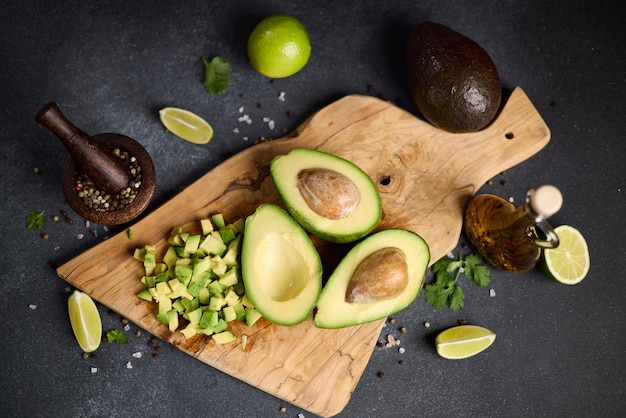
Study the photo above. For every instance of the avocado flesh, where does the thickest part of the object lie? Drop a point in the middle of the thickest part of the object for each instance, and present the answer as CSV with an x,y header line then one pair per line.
x,y
453,80
281,269
350,216
333,307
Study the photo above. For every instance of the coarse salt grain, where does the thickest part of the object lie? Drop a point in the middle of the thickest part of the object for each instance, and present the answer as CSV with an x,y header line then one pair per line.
x,y
127,327
492,293
129,365
137,354
281,96
511,199
401,350
32,306
266,119
241,109
271,124
236,130
94,370
80,236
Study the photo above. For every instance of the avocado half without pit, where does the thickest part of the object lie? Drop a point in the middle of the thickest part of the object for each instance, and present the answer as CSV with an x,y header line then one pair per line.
x,y
281,269
327,195
379,276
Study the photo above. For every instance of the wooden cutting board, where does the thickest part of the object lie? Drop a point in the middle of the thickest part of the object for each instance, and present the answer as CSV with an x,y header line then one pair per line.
x,y
425,177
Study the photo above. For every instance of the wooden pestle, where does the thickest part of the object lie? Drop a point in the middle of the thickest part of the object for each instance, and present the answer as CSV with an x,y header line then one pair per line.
x,y
98,162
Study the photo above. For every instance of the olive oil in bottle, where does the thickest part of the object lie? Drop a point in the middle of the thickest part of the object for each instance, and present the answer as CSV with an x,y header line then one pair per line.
x,y
510,238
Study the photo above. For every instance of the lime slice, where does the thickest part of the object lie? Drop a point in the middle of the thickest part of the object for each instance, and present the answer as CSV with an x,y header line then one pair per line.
x,y
463,341
569,262
85,321
186,125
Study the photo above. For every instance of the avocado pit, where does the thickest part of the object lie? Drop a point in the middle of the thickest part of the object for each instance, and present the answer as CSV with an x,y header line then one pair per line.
x,y
380,276
328,193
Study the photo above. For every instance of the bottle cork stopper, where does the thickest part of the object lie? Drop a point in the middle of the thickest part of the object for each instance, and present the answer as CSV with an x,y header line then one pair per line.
x,y
546,200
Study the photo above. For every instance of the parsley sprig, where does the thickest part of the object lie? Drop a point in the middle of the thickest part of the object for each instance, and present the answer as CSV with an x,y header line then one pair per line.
x,y
444,290
117,336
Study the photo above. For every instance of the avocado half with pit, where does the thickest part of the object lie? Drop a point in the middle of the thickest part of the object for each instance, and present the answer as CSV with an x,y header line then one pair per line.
x,y
281,269
329,196
379,276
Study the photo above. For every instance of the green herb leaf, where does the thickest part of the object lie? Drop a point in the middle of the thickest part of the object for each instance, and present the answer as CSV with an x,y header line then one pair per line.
x,y
35,220
117,336
130,233
217,75
444,290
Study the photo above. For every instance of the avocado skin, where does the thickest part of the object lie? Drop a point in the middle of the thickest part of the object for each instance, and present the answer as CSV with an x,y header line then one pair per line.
x,y
452,79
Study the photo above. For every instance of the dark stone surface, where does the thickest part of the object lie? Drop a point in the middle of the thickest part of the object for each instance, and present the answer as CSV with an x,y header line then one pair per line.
x,y
112,65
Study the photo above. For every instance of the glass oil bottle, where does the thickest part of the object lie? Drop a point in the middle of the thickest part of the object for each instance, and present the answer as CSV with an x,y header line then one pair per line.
x,y
510,238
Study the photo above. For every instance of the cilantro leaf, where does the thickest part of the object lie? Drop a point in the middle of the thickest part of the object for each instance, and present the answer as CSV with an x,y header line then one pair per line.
x,y
117,336
475,270
456,298
217,75
35,220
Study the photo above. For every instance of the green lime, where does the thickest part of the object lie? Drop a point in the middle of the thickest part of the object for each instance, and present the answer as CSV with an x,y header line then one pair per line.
x,y
186,125
85,321
569,262
463,341
279,46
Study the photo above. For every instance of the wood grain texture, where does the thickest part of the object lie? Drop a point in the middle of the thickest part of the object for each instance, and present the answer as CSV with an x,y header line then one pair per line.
x,y
425,177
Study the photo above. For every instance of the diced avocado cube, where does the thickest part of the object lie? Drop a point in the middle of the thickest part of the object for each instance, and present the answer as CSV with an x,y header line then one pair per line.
x,y
218,220
204,296
190,330
239,225
220,326
180,292
180,252
229,313
230,258
160,268
178,305
218,266
215,288
207,226
184,235
194,289
139,254
174,283
163,318
162,288
195,316
172,319
184,261
212,245
227,234
252,316
229,278
206,331
224,337
153,292
174,238
240,311
217,303
183,273
192,243
150,281
187,303
239,289
165,303
161,277
209,319
247,302
201,265
145,295
231,297
170,256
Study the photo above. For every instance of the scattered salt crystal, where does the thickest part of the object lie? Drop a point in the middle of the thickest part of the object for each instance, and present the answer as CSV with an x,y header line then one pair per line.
x,y
300,415
461,269
32,306
137,354
266,119
450,254
57,248
245,138
511,199
492,293
236,130
241,109
271,124
80,236
106,228
129,365
87,224
94,370
401,350
127,327
281,96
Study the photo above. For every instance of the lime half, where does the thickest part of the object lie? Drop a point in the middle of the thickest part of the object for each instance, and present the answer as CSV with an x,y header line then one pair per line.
x,y
85,321
186,125
463,341
569,262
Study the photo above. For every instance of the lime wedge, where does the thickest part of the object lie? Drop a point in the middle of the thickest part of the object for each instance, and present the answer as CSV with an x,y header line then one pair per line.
x,y
85,321
463,341
186,125
569,262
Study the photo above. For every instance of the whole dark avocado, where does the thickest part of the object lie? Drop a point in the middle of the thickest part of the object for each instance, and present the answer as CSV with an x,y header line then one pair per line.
x,y
452,79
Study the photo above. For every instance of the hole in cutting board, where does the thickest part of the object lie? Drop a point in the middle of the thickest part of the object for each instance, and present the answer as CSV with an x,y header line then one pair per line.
x,y
509,135
385,180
